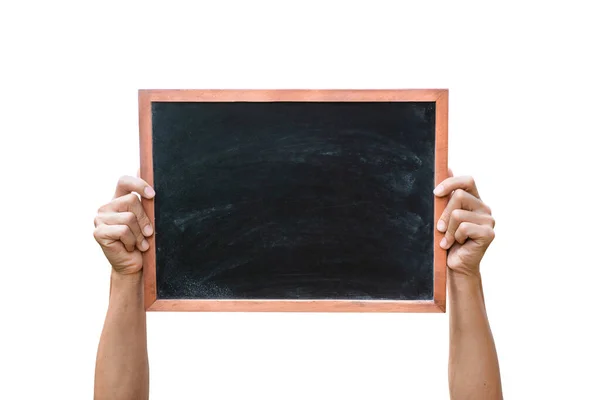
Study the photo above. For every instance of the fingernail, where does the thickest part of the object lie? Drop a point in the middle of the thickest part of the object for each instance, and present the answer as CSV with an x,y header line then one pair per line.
x,y
145,245
147,230
441,225
443,243
438,190
149,191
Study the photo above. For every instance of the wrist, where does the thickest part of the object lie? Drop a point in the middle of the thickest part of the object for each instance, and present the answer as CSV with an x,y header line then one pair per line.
x,y
462,281
464,276
120,281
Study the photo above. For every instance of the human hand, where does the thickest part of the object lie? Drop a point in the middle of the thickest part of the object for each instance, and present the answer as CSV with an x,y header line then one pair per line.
x,y
122,226
467,222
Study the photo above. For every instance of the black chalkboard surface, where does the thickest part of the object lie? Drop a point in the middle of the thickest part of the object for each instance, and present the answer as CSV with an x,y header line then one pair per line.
x,y
276,203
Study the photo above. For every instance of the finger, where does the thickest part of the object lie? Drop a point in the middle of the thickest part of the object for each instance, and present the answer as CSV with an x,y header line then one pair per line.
x,y
461,200
459,216
107,235
481,234
450,173
128,184
130,203
447,186
124,218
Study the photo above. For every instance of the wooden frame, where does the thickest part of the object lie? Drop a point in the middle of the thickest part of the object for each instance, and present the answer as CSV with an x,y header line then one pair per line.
x,y
439,96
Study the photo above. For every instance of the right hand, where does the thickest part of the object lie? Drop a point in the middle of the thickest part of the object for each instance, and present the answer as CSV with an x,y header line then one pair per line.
x,y
122,226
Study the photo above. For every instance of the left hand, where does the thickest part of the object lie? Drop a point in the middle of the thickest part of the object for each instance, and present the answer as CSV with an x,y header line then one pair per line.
x,y
467,222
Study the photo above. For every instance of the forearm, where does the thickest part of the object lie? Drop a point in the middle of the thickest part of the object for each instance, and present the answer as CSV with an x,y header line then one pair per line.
x,y
122,361
473,370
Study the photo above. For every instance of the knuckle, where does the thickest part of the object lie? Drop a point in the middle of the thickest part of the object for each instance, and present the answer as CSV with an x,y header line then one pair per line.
x,y
456,214
130,217
445,217
115,204
470,181
123,230
97,220
459,194
460,235
143,218
131,199
122,180
492,222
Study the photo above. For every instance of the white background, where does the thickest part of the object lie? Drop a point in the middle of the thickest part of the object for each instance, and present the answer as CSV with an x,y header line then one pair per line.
x,y
524,121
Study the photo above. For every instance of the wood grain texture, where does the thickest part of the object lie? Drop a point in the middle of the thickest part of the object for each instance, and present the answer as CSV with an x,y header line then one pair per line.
x,y
146,97
296,306
292,95
146,173
441,173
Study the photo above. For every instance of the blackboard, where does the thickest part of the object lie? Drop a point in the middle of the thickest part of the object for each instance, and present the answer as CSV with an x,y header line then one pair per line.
x,y
292,200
